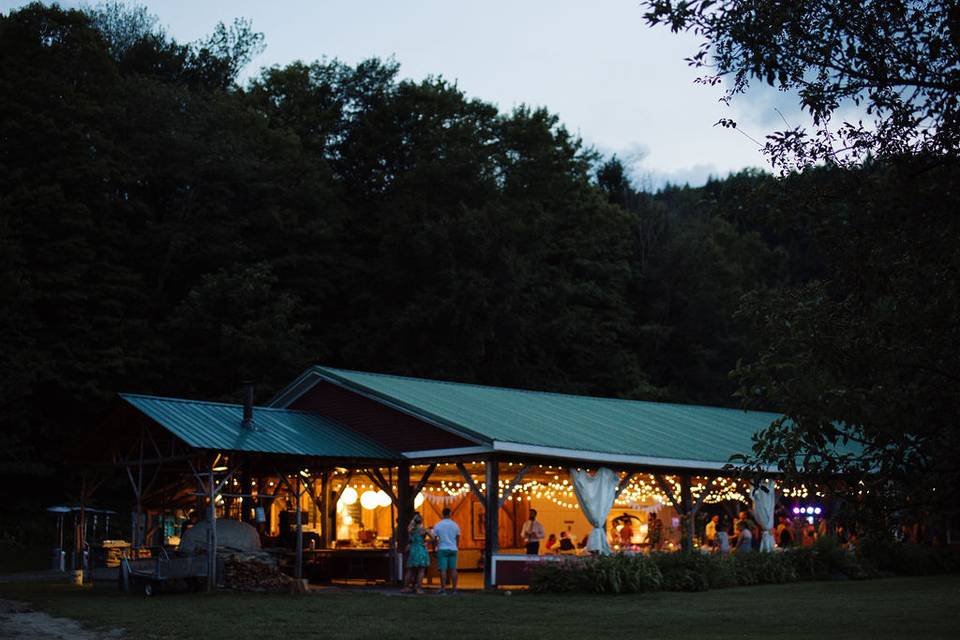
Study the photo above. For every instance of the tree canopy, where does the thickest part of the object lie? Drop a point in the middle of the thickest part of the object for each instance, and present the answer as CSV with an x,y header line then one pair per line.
x,y
866,351
896,61
165,229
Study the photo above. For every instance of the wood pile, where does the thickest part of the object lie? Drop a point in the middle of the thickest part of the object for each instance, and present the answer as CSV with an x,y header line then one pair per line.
x,y
256,572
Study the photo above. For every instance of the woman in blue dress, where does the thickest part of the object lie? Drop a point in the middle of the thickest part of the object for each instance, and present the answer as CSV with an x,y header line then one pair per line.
x,y
417,557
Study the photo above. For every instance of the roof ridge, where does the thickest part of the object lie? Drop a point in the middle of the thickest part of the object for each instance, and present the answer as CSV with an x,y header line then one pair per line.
x,y
539,392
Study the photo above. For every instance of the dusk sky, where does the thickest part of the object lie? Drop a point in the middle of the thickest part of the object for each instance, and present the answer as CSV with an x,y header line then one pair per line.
x,y
623,87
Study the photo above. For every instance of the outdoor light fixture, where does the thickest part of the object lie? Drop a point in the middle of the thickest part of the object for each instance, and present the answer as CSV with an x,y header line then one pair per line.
x,y
383,499
368,500
418,501
802,510
349,496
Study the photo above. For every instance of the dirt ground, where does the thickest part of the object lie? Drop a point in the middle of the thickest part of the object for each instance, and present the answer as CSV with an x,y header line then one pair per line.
x,y
18,620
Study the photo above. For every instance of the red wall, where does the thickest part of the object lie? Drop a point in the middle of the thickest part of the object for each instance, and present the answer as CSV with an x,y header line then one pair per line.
x,y
394,429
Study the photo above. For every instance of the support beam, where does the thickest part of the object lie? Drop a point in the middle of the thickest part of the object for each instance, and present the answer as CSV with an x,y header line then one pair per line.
x,y
624,481
335,496
687,498
492,528
138,534
212,537
423,480
377,477
404,504
298,567
665,487
325,522
513,485
473,485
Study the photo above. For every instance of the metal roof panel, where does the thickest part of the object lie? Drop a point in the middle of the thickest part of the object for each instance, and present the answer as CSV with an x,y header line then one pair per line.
x,y
214,425
584,423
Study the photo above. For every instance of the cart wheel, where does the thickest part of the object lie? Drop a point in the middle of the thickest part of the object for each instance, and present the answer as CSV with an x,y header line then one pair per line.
x,y
148,589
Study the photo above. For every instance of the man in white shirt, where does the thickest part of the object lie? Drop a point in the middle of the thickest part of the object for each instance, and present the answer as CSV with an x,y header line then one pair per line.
x,y
711,531
447,533
532,533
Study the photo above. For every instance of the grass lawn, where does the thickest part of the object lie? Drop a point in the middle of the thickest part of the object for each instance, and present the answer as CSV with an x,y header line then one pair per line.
x,y
893,608
15,558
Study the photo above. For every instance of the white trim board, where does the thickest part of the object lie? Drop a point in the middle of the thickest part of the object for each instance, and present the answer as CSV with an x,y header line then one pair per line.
x,y
440,453
597,456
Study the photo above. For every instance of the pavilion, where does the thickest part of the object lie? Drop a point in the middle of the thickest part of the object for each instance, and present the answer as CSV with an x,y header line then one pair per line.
x,y
340,451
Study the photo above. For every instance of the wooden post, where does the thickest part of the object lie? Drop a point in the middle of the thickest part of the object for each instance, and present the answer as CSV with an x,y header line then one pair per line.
x,y
212,536
298,569
492,524
325,520
686,498
138,533
404,505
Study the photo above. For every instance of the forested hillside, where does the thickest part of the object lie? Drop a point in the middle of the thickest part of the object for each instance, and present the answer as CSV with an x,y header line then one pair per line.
x,y
165,230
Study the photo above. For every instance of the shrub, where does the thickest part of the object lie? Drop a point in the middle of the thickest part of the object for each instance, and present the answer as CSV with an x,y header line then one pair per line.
x,y
694,571
884,554
763,568
600,574
564,576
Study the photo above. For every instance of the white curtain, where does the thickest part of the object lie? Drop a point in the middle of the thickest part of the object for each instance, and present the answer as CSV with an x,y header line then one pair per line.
x,y
763,504
596,494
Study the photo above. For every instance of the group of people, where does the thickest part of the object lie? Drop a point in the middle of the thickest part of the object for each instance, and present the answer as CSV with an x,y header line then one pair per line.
x,y
745,533
445,536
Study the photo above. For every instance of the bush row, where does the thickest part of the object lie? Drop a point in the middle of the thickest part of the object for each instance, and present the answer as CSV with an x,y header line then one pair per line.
x,y
700,572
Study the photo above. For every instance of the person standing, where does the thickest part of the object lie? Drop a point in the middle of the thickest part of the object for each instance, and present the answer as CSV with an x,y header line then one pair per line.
x,y
744,537
417,557
532,533
654,532
626,534
447,534
710,533
723,537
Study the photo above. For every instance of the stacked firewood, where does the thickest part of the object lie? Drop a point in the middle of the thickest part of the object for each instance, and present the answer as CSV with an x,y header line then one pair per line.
x,y
256,572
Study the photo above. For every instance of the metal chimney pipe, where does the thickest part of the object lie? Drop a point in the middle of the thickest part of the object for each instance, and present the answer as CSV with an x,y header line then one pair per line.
x,y
248,406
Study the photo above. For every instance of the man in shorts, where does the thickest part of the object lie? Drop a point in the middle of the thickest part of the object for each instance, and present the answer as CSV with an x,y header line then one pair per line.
x,y
447,534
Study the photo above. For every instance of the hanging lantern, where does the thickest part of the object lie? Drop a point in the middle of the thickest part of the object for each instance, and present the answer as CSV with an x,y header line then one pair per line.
x,y
368,500
349,496
383,499
418,501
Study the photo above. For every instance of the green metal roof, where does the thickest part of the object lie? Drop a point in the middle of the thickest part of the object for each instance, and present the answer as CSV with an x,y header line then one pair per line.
x,y
214,425
501,417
